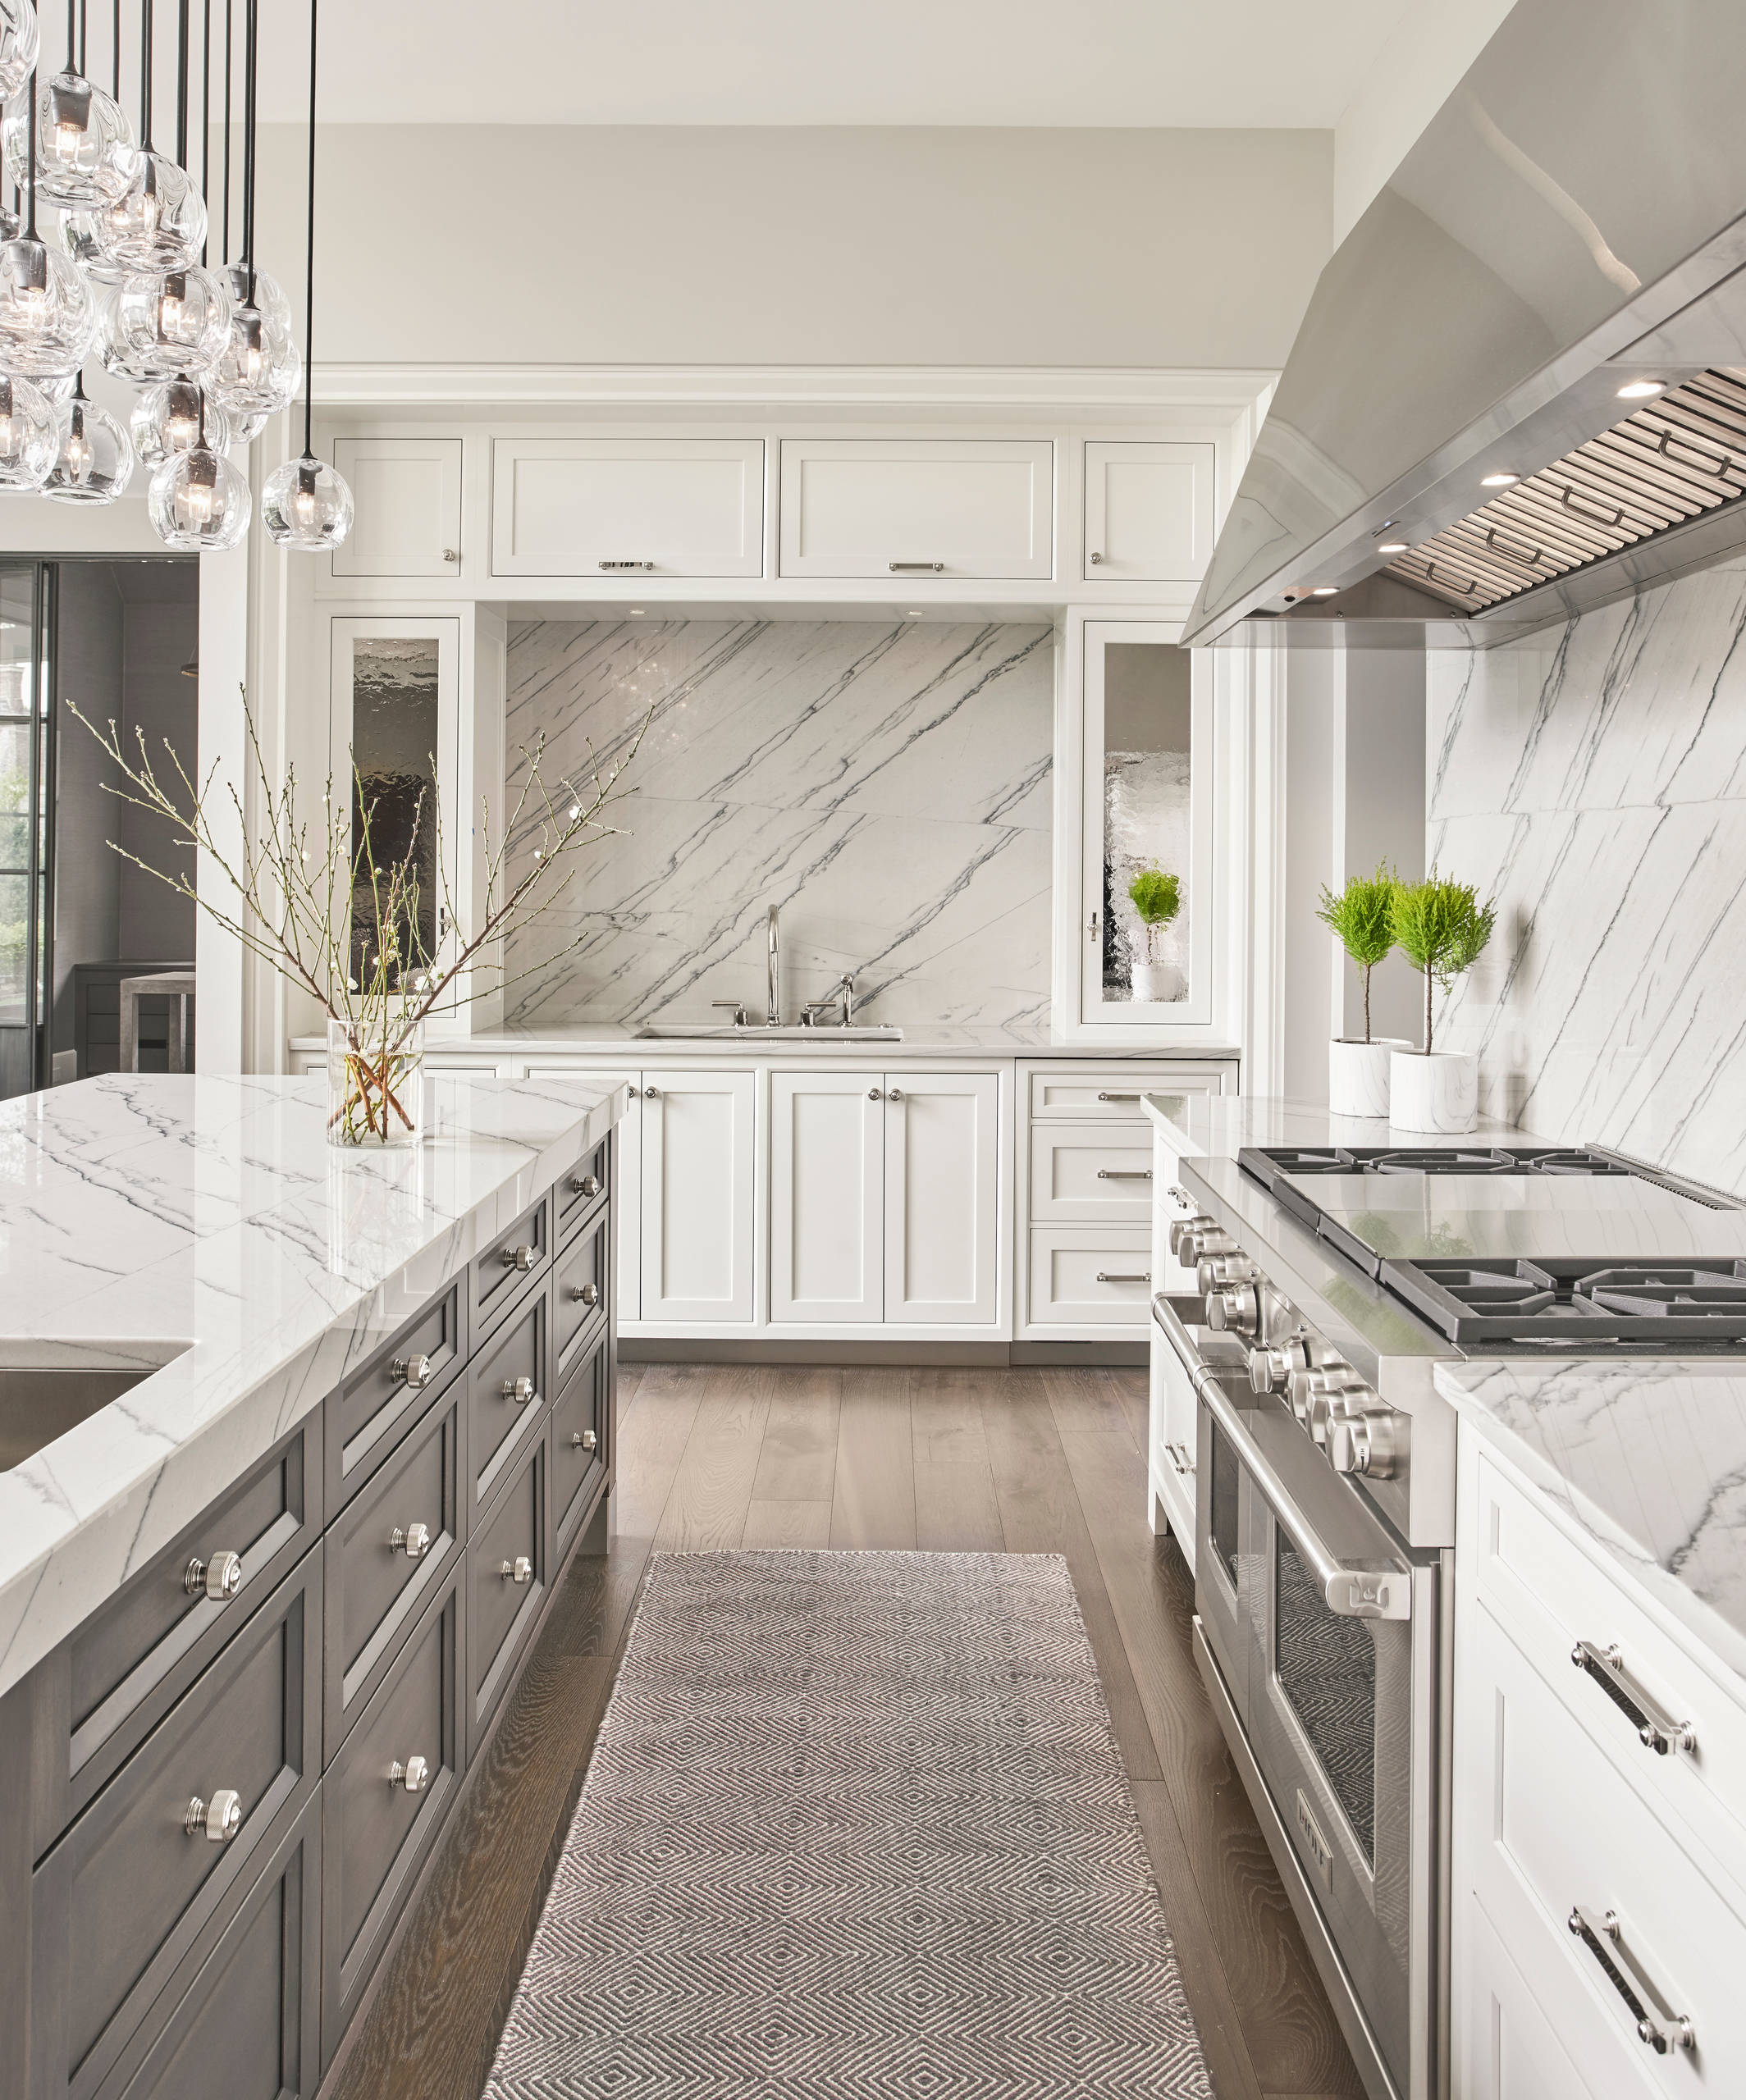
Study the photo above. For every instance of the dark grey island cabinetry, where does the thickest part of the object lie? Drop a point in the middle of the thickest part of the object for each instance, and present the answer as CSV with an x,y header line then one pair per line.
x,y
221,1794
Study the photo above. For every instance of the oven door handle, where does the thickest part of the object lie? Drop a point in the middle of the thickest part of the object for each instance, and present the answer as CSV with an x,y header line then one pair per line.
x,y
1350,1589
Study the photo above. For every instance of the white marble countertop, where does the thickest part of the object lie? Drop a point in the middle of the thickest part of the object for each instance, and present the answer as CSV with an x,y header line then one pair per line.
x,y
1219,1125
928,1039
203,1228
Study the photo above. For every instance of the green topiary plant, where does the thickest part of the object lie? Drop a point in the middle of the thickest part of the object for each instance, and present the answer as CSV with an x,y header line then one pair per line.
x,y
1363,916
1441,928
1157,897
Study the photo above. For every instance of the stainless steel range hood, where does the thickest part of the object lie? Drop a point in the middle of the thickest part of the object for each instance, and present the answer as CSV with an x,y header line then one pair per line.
x,y
1519,390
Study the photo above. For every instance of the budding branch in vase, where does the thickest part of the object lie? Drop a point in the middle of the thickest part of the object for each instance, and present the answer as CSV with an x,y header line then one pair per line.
x,y
343,922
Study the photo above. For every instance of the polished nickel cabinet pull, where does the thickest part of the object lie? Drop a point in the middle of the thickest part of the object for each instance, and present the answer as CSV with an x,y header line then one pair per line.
x,y
219,1819
586,1293
412,1371
219,1578
1113,1275
628,567
519,1258
1657,2023
1178,1455
1124,1174
916,568
414,1775
414,1541
1119,1097
1656,1729
585,1185
520,1569
584,1440
520,1390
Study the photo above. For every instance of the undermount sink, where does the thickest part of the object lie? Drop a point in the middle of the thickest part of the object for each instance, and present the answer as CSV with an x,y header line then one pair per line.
x,y
37,1405
762,1032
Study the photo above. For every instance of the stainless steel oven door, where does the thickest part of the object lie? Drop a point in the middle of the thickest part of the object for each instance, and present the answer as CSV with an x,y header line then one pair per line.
x,y
1326,1630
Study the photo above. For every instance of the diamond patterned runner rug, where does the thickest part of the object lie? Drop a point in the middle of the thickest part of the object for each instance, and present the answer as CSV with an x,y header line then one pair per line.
x,y
855,1825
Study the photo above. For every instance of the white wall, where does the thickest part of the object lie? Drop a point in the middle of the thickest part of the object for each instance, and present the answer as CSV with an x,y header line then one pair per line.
x,y
801,246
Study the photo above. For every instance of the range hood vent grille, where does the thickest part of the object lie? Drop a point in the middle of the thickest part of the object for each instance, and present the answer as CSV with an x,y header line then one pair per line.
x,y
1680,455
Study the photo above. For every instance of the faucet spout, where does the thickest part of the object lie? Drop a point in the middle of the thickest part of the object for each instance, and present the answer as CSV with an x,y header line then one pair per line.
x,y
773,959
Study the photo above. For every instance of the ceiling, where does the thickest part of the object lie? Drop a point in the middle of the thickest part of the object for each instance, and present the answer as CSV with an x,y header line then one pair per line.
x,y
1024,63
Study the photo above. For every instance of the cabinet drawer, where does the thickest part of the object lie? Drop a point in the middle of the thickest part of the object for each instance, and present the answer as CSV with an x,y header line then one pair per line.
x,y
581,1285
587,1183
1503,2045
248,2025
390,1549
917,510
1091,1276
608,506
506,1392
1112,1092
376,1829
402,1380
1553,1596
507,1576
130,1894
499,1273
581,1436
124,1669
1091,1175
1560,1827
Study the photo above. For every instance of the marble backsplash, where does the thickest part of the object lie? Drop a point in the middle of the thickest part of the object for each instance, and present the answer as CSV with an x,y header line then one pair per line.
x,y
1594,779
887,785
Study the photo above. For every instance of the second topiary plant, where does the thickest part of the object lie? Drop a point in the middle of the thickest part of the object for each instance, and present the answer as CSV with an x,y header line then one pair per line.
x,y
1362,916
1441,928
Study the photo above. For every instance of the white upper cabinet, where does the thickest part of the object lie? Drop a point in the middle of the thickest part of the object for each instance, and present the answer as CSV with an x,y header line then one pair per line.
x,y
1149,512
408,493
604,506
913,510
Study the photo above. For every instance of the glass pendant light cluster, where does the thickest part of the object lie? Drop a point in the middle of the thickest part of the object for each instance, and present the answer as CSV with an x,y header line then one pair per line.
x,y
125,275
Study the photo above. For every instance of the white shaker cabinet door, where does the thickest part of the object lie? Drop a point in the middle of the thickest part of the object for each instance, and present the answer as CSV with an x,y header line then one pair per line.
x,y
604,507
1149,512
827,1255
698,1196
408,493
917,511
942,1197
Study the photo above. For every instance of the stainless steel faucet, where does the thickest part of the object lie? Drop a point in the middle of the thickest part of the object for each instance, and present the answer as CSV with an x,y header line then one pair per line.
x,y
842,996
773,961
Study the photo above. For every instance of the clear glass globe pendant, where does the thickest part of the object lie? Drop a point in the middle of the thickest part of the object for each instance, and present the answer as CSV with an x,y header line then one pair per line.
x,y
159,225
29,435
306,505
95,461
85,154
18,45
79,243
198,501
157,327
47,317
260,369
168,419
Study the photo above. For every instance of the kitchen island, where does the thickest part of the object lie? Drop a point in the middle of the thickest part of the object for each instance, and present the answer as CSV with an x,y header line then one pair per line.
x,y
328,1426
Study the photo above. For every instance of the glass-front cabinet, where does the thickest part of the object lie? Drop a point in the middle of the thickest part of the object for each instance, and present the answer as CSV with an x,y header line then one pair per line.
x,y
1144,934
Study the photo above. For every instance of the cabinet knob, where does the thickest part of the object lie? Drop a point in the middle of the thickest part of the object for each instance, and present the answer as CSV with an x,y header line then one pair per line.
x,y
414,1775
412,1371
586,1293
1095,559
219,1578
586,1184
453,553
874,1094
520,1569
219,1819
584,1440
414,1541
520,1390
518,1258
895,1094
652,1093
631,1092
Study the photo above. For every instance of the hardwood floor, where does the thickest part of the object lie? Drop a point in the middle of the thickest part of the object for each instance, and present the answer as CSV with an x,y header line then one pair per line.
x,y
715,1456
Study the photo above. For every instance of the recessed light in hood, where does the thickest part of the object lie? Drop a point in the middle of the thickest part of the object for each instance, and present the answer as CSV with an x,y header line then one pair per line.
x,y
1641,389
1498,481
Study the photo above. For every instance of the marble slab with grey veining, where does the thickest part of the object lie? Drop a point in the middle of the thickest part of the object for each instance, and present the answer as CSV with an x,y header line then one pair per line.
x,y
1647,1459
888,784
201,1230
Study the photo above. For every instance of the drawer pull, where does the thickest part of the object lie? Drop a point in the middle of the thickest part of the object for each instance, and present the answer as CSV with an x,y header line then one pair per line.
x,y
520,1569
1657,2023
1124,1174
412,1371
1112,1276
520,1390
219,1578
414,1541
219,1819
628,567
1656,1728
586,1293
1120,1096
586,1184
916,568
584,1440
414,1775
519,1258
1178,1455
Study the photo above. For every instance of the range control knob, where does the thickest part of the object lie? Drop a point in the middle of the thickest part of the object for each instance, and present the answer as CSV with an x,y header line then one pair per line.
x,y
1181,1228
1368,1441
1270,1369
1204,1239
1235,1309
1309,1390
1215,1271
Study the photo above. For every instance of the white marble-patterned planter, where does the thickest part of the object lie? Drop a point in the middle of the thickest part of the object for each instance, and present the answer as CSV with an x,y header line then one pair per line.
x,y
1358,1074
1437,1090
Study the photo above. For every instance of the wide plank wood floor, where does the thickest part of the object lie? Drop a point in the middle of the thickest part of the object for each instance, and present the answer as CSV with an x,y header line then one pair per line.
x,y
716,1456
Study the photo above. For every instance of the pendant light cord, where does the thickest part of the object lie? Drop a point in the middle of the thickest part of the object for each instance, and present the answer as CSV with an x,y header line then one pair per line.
x,y
248,143
309,288
72,36
84,29
206,121
145,75
114,51
30,173
228,71
181,85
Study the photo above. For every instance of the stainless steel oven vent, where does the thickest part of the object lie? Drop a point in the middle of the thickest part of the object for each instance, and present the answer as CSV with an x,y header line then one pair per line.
x,y
1679,455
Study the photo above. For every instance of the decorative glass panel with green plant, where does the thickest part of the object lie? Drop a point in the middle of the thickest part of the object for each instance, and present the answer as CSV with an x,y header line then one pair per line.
x,y
1148,827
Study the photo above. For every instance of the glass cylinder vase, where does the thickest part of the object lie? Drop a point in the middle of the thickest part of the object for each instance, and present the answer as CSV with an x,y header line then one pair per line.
x,y
375,1085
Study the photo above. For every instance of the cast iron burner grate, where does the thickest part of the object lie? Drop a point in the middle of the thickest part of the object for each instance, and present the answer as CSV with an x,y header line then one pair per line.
x,y
1655,1304
1266,1163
